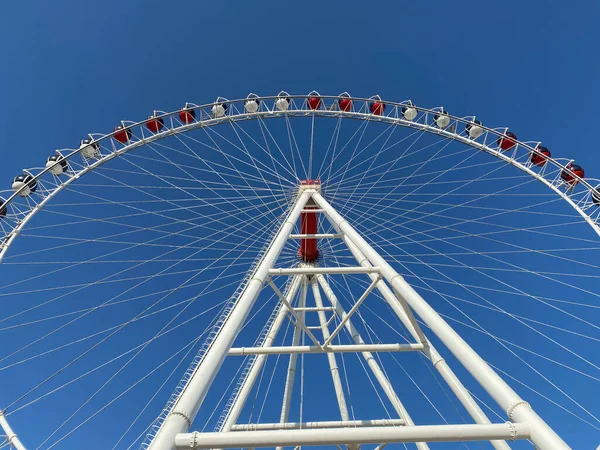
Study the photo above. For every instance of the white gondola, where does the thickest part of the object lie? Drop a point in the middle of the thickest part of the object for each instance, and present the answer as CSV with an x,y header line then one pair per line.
x,y
252,104
283,101
474,129
441,119
219,108
409,112
57,164
89,148
24,184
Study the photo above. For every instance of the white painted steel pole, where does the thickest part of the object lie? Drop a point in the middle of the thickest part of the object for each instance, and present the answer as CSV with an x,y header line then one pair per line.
x,y
366,435
257,365
333,367
343,348
516,408
291,372
186,407
319,424
10,435
381,378
438,362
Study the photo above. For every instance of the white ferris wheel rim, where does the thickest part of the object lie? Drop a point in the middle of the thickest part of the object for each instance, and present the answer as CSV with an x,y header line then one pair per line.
x,y
298,107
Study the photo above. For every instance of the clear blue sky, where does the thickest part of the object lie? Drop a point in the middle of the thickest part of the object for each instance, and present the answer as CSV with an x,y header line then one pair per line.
x,y
73,67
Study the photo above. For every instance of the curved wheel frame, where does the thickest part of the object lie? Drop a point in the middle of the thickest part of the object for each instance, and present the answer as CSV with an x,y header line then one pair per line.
x,y
580,198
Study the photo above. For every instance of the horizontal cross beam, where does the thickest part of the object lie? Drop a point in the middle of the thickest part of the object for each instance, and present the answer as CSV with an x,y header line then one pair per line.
x,y
365,435
356,348
320,424
316,236
322,270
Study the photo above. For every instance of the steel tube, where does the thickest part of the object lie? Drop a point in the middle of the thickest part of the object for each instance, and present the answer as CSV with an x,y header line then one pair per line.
x,y
331,359
517,409
356,348
366,435
10,435
320,424
322,270
315,236
187,405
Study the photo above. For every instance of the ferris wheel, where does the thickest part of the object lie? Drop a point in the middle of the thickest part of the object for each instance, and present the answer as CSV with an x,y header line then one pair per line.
x,y
301,270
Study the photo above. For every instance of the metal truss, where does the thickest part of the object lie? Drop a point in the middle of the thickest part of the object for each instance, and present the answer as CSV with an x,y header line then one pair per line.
x,y
523,422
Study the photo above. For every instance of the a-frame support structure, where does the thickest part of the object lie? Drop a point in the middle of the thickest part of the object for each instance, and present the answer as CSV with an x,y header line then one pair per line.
x,y
523,422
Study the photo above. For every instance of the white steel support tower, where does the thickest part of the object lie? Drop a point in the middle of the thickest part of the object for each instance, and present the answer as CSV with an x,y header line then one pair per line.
x,y
310,281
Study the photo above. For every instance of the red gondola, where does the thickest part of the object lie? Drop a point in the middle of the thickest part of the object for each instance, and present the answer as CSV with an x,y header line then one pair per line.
x,y
187,114
541,158
155,124
345,102
507,141
572,173
377,107
122,134
314,100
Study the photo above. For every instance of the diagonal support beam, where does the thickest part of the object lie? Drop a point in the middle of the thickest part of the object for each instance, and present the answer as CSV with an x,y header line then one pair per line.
x,y
516,408
299,319
352,311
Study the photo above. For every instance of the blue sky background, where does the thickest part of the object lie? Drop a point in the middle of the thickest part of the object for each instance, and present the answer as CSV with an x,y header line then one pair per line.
x,y
70,67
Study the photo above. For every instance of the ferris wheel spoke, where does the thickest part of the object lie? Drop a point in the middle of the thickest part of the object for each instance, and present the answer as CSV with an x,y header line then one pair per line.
x,y
226,174
266,149
265,131
112,328
145,280
277,198
412,210
506,263
294,150
135,298
537,229
96,345
503,342
390,166
331,147
503,311
542,376
182,189
254,162
357,149
212,244
428,183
